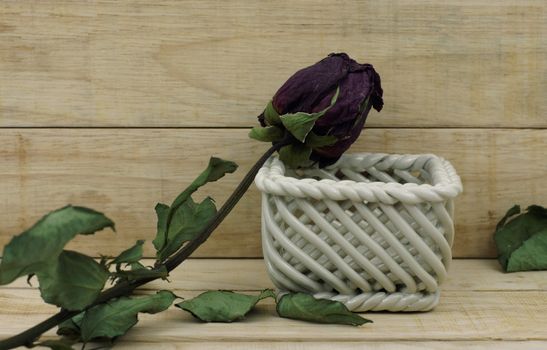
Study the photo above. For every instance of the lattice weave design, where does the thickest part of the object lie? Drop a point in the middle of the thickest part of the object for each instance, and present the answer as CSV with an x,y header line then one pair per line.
x,y
373,231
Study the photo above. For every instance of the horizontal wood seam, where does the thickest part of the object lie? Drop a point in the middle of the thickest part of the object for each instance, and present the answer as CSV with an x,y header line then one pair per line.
x,y
440,127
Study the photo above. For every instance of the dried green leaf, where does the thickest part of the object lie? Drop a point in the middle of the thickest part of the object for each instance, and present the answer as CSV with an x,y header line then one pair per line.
x,y
136,266
270,115
512,234
316,141
142,272
222,306
71,327
116,317
300,124
301,306
188,221
216,169
162,211
515,209
60,344
267,134
131,255
42,243
532,255
73,282
295,155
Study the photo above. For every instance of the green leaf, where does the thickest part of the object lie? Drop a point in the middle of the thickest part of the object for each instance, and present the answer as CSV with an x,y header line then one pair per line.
x,y
71,327
189,220
270,115
131,255
61,344
142,272
42,243
316,141
511,235
301,306
216,169
300,124
515,209
363,107
537,210
162,211
295,155
137,266
116,317
267,134
223,306
73,282
532,255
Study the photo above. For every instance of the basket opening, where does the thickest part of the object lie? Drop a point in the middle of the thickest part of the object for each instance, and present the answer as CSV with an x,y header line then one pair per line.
x,y
371,174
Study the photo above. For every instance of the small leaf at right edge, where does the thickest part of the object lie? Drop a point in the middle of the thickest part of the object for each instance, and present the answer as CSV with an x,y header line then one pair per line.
x,y
267,134
512,234
301,306
532,255
43,242
222,306
515,209
116,317
73,282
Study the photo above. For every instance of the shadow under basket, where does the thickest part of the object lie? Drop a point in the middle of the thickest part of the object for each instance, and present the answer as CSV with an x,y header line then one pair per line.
x,y
373,231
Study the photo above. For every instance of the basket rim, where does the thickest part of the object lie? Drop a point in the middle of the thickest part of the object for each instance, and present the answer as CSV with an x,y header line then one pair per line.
x,y
446,184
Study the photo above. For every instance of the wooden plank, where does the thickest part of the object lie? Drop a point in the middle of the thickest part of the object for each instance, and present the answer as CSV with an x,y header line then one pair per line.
x,y
460,315
479,308
205,63
382,345
340,345
124,172
464,275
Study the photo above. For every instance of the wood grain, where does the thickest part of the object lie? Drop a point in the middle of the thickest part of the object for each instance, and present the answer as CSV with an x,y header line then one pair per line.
x,y
479,316
339,345
464,63
201,274
124,173
468,316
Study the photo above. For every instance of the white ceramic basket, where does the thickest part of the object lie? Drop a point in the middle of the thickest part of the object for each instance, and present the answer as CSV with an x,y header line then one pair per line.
x,y
373,231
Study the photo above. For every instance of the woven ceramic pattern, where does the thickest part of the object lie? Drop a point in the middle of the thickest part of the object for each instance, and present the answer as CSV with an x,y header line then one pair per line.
x,y
373,231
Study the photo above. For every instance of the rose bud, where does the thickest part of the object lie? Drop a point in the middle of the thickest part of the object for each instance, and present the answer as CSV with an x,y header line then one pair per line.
x,y
321,109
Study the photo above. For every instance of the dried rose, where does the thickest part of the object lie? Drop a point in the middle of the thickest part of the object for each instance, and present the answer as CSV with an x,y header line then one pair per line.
x,y
322,109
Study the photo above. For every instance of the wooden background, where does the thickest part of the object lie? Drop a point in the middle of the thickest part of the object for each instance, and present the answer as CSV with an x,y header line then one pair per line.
x,y
117,105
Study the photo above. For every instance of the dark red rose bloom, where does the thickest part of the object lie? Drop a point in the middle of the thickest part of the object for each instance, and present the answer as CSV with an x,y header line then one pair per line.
x,y
311,89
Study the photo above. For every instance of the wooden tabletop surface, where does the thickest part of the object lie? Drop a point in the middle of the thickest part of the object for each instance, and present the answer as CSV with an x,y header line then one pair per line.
x,y
118,105
480,307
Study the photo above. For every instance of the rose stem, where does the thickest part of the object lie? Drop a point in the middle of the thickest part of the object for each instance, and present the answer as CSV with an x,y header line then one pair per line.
x,y
27,337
